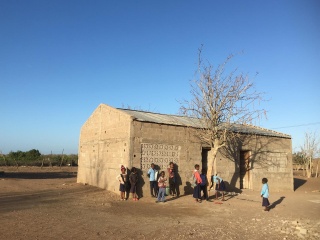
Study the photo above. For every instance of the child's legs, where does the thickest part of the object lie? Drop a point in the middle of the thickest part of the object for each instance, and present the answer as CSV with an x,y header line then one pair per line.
x,y
205,192
133,191
201,190
172,186
157,189
265,202
151,188
161,194
122,190
155,186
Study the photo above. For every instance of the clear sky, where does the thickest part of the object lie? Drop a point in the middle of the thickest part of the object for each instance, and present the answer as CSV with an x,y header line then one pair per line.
x,y
60,59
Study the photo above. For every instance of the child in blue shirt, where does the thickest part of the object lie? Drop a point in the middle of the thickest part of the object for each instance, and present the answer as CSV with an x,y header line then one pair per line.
x,y
219,185
265,194
153,173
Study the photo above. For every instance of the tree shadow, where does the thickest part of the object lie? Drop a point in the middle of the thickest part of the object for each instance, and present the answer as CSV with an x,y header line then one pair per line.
x,y
274,204
232,187
260,148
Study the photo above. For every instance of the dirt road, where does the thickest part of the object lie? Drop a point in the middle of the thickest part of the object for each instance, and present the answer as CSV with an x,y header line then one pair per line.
x,y
49,204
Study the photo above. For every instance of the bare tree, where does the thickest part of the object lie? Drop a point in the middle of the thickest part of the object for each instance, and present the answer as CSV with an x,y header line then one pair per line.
x,y
218,102
62,158
309,150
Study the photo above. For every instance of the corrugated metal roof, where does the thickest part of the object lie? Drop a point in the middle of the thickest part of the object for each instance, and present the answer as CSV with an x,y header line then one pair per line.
x,y
177,120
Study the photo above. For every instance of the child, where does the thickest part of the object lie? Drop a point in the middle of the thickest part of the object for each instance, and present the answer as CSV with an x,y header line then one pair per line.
x,y
162,188
198,181
220,186
133,178
153,174
172,181
203,185
122,178
265,194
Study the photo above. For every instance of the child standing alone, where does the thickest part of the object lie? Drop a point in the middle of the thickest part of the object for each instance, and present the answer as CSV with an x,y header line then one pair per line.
x,y
162,188
122,178
265,194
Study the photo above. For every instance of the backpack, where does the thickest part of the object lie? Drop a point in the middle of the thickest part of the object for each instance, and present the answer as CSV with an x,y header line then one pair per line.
x,y
204,180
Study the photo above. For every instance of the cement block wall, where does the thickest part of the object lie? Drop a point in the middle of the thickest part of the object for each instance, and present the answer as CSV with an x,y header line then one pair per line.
x,y
166,135
111,137
271,157
104,145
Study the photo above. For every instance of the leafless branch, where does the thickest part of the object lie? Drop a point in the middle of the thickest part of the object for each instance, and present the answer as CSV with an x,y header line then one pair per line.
x,y
219,101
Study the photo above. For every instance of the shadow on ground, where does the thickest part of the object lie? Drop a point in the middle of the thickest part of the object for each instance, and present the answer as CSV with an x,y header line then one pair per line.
x,y
38,175
274,204
298,182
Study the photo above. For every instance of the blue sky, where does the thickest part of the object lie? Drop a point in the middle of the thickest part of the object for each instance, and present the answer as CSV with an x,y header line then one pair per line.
x,y
60,59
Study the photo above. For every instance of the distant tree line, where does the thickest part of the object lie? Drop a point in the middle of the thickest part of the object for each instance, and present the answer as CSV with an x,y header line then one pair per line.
x,y
35,158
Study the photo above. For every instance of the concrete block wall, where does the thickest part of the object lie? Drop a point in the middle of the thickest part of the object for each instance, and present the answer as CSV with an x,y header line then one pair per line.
x,y
166,135
104,145
111,137
270,157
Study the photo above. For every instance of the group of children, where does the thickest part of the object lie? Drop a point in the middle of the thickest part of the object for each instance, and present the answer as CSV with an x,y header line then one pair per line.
x,y
200,184
128,183
158,185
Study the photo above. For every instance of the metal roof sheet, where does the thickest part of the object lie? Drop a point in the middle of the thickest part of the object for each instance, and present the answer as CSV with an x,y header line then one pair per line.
x,y
177,120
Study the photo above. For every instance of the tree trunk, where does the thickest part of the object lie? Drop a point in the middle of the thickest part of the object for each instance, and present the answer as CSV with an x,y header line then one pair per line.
x,y
308,173
212,165
308,169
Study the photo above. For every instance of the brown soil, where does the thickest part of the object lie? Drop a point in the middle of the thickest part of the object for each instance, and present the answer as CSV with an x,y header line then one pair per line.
x,y
48,204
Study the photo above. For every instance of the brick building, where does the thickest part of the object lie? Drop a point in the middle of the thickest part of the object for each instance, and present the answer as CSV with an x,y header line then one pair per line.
x,y
111,137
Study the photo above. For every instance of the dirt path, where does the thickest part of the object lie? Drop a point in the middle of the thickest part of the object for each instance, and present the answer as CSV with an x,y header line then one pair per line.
x,y
49,204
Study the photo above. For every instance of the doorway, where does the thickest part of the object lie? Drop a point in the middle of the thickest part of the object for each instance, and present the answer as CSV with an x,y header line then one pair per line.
x,y
245,170
204,159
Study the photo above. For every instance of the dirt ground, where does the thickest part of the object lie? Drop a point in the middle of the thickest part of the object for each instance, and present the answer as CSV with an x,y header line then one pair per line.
x,y
48,204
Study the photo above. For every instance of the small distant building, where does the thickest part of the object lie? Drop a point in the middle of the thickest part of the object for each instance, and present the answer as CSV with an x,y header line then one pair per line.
x,y
112,137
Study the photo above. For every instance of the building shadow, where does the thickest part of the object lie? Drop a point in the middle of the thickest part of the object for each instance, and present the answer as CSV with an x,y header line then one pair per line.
x,y
298,182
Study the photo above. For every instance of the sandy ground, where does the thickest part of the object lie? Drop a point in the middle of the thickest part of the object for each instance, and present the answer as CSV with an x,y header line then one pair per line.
x,y
48,204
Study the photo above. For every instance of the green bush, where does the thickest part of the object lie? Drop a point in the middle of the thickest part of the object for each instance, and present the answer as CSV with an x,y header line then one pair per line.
x,y
35,158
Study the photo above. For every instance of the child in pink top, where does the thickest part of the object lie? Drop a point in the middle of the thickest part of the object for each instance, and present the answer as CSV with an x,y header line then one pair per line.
x,y
198,181
162,183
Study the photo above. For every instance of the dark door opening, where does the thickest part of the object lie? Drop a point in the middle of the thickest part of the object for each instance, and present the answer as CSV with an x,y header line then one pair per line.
x,y
204,159
244,169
